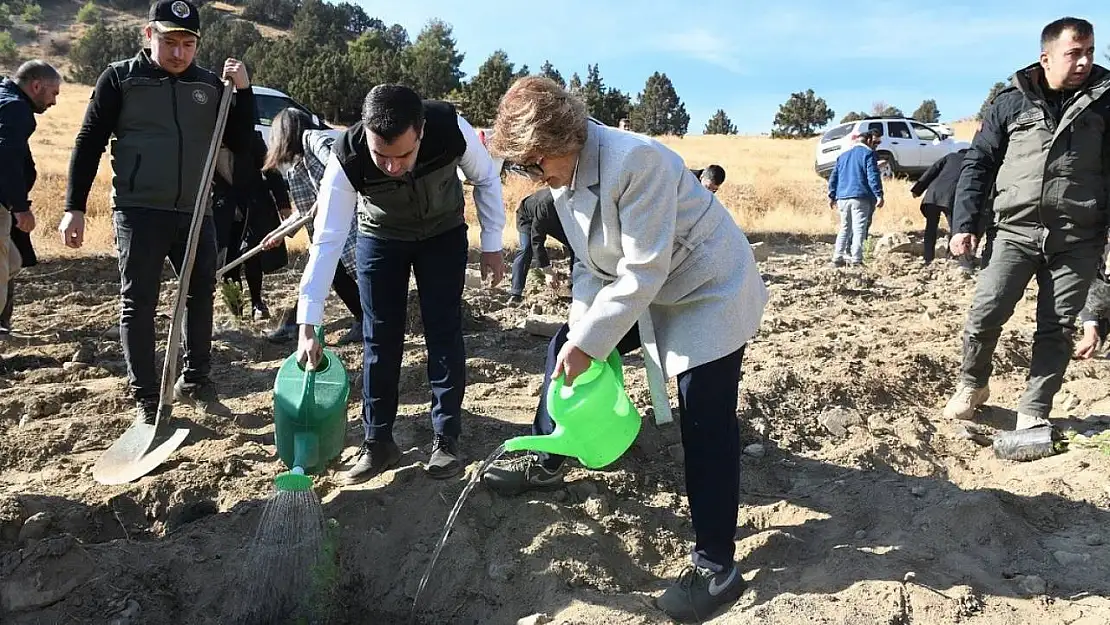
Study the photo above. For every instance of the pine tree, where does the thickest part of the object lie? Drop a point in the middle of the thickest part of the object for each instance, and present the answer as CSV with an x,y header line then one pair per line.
x,y
658,109
433,62
927,113
720,124
801,116
548,70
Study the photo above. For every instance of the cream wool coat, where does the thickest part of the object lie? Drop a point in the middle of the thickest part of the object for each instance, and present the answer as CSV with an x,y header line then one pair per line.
x,y
655,246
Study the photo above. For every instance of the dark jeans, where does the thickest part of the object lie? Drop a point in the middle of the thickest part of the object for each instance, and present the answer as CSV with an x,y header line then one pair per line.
x,y
521,264
1062,280
932,214
707,398
439,264
252,268
144,239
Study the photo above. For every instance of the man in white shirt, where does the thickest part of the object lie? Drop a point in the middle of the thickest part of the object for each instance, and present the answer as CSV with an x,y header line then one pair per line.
x,y
397,168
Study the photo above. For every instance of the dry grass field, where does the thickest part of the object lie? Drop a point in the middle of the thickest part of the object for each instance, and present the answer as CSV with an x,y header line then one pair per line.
x,y
771,186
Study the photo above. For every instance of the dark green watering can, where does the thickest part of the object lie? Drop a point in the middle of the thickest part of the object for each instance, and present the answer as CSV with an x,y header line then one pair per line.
x,y
310,411
595,421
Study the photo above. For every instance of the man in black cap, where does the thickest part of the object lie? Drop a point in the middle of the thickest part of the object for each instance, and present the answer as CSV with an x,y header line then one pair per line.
x,y
161,109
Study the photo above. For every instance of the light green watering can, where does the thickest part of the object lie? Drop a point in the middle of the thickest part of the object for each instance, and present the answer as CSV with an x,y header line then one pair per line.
x,y
310,411
595,421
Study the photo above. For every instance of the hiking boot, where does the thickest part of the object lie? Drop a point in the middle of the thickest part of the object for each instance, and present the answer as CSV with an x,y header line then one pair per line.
x,y
354,335
373,458
260,312
965,400
1025,422
520,475
515,300
835,263
699,592
200,395
146,413
444,462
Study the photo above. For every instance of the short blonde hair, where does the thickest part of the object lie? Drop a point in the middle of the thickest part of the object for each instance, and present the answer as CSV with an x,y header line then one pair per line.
x,y
536,118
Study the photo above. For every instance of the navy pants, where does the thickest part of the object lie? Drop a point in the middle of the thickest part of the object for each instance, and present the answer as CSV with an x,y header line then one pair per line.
x,y
707,398
384,266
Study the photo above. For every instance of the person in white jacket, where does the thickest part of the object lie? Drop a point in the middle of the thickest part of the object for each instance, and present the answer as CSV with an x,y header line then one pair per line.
x,y
660,264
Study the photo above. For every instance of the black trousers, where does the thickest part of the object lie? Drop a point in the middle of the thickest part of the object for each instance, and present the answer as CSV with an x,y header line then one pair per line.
x,y
144,239
707,399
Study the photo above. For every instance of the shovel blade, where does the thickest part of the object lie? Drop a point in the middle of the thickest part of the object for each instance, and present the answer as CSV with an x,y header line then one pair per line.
x,y
137,452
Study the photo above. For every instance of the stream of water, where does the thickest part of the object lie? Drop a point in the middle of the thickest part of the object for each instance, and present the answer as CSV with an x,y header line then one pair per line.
x,y
497,453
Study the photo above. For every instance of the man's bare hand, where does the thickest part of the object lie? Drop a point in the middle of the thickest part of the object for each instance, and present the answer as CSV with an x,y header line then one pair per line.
x,y
881,203
72,229
237,72
1087,346
493,267
25,221
963,245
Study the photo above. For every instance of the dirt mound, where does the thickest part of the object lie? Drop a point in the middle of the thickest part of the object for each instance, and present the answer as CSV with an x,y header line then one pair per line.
x,y
860,503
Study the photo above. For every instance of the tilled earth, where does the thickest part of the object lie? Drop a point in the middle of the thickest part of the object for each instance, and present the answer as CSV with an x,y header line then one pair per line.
x,y
861,504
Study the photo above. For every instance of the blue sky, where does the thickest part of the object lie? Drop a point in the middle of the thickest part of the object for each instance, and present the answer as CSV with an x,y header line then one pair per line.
x,y
748,57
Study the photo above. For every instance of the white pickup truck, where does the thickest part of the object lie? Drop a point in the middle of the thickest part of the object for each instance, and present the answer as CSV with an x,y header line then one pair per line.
x,y
908,147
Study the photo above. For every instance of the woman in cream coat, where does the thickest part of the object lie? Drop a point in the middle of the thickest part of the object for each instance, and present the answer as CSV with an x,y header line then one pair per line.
x,y
660,264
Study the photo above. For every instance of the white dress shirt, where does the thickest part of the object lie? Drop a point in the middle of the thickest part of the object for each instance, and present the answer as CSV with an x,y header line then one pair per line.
x,y
336,207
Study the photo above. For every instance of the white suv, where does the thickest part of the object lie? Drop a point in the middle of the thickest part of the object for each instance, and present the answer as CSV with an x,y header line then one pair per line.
x,y
269,102
908,146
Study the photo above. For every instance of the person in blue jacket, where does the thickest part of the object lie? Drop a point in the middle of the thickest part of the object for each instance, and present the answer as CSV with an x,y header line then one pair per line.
x,y
856,190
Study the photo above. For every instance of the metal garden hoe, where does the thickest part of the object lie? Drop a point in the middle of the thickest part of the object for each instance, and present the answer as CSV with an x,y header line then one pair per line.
x,y
143,446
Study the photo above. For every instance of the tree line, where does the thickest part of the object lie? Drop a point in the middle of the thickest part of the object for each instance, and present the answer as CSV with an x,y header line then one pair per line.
x,y
334,53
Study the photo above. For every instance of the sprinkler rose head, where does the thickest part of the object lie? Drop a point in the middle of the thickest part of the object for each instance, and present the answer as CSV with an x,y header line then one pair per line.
x,y
290,481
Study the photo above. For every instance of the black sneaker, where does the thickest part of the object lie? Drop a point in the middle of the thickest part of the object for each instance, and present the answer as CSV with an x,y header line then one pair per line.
x,y
520,475
260,312
444,462
353,335
373,458
700,592
200,395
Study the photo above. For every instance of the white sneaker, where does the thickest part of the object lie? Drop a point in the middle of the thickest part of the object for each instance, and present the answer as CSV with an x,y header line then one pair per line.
x,y
965,400
1025,422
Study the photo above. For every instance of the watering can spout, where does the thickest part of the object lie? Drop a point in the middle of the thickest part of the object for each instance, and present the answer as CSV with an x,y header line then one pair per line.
x,y
552,444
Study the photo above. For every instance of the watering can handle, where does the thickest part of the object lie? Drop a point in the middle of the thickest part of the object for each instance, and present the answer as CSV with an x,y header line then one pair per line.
x,y
308,394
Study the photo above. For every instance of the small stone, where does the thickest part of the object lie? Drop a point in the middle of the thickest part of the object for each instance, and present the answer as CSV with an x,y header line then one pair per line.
x,y
129,614
25,419
861,534
918,491
1066,558
500,572
535,619
755,450
677,453
1033,585
909,577
36,527
1093,540
74,366
837,420
597,507
85,354
927,316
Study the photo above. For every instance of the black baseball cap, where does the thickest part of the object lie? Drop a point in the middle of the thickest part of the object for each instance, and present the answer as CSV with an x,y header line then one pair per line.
x,y
175,16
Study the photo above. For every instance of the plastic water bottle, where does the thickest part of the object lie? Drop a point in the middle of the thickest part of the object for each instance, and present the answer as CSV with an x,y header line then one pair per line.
x,y
1029,444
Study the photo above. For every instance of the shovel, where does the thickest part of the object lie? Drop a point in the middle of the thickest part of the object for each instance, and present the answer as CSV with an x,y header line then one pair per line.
x,y
281,231
145,446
